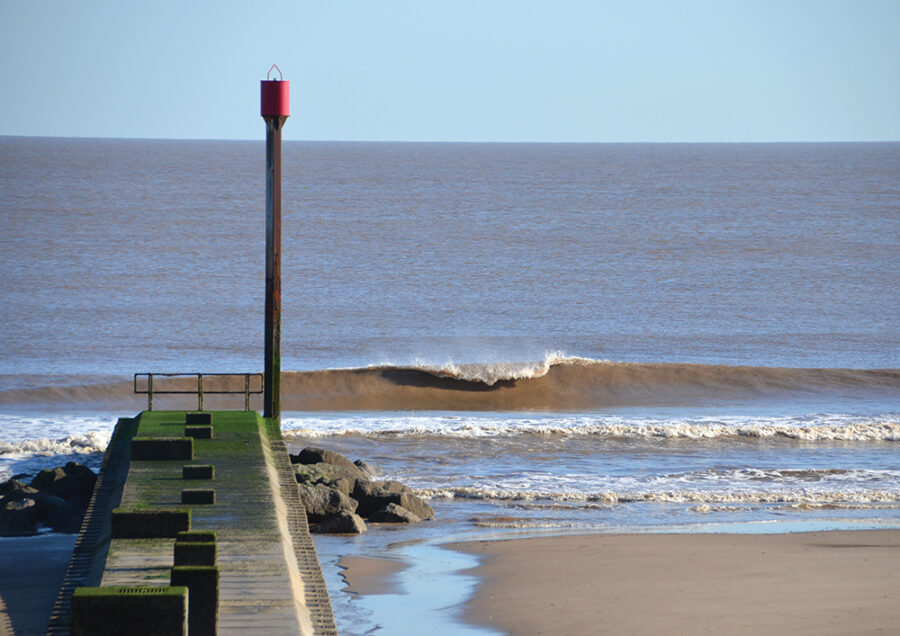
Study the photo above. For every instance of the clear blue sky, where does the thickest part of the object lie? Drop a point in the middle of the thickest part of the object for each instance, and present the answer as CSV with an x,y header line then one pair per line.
x,y
460,70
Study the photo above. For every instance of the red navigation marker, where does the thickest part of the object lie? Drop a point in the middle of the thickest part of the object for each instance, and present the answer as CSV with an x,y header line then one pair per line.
x,y
275,95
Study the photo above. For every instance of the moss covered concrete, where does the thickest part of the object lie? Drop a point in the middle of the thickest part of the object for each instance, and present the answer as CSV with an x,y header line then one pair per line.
x,y
267,569
112,611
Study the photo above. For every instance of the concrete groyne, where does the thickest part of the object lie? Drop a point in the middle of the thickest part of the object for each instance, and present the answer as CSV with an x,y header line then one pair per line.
x,y
195,522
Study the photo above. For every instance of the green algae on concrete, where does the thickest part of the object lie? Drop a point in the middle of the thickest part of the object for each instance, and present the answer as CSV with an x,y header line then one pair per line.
x,y
112,611
198,496
196,536
194,553
198,471
162,448
149,523
267,569
203,586
199,432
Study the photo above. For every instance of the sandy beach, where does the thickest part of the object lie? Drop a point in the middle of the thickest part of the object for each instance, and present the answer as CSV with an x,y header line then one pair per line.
x,y
805,583
31,574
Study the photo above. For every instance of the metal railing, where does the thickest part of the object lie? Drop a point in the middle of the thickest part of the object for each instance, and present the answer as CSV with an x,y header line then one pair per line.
x,y
199,391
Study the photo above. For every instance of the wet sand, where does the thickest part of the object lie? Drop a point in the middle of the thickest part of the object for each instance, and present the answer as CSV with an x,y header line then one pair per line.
x,y
371,575
806,583
31,574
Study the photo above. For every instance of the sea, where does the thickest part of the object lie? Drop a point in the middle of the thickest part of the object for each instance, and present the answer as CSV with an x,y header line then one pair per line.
x,y
539,338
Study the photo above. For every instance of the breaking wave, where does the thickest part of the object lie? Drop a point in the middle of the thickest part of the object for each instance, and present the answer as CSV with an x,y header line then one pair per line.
x,y
556,383
87,443
798,497
491,374
814,428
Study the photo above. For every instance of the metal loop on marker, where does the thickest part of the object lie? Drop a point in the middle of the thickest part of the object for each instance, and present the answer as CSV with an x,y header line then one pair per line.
x,y
269,74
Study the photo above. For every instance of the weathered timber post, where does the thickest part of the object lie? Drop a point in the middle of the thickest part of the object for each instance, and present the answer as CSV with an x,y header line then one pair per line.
x,y
275,109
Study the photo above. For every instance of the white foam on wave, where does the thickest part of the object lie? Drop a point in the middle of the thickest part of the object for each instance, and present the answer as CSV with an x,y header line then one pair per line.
x,y
812,428
793,497
93,442
23,428
490,373
744,485
29,443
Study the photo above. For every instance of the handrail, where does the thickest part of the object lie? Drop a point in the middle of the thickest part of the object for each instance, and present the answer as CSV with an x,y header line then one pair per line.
x,y
199,391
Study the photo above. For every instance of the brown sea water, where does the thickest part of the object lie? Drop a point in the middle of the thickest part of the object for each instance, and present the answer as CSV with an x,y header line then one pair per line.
x,y
121,256
589,293
538,337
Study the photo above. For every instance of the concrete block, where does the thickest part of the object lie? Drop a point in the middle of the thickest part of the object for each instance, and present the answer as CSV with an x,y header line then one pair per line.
x,y
203,607
198,418
199,536
198,496
198,432
160,448
149,523
198,472
194,553
112,611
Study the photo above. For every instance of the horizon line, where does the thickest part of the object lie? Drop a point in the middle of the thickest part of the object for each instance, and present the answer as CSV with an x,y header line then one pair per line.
x,y
261,139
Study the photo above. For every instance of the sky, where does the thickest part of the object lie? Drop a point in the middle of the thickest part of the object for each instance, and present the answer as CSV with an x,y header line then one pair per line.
x,y
457,70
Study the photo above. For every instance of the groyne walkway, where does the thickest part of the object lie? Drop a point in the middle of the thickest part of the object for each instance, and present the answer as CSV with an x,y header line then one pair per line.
x,y
195,522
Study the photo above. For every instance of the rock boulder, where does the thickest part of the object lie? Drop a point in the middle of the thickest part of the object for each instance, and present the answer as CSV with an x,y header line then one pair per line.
x,y
332,475
373,496
370,470
322,502
342,523
313,455
392,513
18,518
74,483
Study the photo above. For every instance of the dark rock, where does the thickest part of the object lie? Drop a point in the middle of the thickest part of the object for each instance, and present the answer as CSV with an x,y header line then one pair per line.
x,y
329,474
56,498
47,504
18,518
370,496
364,488
66,518
75,483
394,486
342,523
45,479
414,504
344,485
78,484
15,490
375,495
392,513
322,502
313,455
370,470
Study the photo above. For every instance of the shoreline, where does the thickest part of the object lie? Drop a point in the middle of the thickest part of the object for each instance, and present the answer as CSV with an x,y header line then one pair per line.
x,y
823,582
832,582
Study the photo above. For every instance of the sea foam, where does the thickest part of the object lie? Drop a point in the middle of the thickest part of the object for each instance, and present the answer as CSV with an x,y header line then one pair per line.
x,y
810,428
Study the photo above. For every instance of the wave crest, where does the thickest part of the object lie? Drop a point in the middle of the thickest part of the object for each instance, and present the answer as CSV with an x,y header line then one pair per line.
x,y
83,444
556,383
800,497
492,373
822,429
